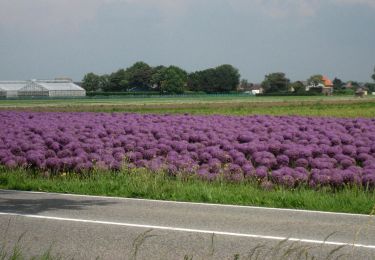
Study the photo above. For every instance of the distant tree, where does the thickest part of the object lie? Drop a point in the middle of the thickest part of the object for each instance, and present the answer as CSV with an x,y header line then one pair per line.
x,y
139,75
338,84
173,80
275,83
117,81
194,82
298,87
245,85
315,80
208,81
157,77
370,86
104,82
91,82
227,78
222,79
373,75
355,85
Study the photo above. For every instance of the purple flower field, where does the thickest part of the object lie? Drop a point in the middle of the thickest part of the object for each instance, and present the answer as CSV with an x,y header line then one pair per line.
x,y
286,150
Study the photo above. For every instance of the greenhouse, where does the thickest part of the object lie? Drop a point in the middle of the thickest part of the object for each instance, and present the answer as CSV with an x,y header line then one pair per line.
x,y
10,89
41,88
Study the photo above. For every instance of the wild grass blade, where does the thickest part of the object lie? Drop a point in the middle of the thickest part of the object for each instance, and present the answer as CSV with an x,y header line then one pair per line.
x,y
140,239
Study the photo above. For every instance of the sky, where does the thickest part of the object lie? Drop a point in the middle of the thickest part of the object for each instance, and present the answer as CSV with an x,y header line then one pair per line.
x,y
46,39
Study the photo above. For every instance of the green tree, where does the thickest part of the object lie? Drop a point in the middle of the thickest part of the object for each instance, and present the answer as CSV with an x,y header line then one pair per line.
x,y
194,81
373,75
202,81
338,84
139,75
104,82
117,81
315,80
245,85
275,83
157,77
355,85
371,87
298,87
227,78
222,79
91,82
172,80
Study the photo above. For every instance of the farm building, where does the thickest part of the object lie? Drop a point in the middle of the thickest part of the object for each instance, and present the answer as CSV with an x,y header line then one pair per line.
x,y
52,88
326,86
10,89
257,89
41,88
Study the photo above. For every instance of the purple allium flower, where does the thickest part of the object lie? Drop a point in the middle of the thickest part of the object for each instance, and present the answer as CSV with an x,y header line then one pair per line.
x,y
333,148
288,181
301,162
203,172
205,157
248,170
282,160
364,157
10,164
369,180
261,172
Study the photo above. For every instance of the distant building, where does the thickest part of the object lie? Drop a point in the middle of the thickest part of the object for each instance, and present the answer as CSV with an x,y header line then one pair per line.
x,y
40,88
361,91
349,85
326,85
256,89
9,89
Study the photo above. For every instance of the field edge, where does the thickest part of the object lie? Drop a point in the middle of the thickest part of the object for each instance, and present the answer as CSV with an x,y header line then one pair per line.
x,y
144,185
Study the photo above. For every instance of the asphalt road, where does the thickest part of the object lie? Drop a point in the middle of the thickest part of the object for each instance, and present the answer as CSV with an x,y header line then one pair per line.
x,y
87,227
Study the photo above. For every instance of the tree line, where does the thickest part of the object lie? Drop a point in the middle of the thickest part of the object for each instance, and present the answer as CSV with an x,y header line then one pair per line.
x,y
221,79
279,83
142,77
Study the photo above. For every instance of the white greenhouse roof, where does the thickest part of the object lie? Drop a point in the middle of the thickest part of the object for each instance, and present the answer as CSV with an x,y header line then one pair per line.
x,y
12,85
48,85
58,85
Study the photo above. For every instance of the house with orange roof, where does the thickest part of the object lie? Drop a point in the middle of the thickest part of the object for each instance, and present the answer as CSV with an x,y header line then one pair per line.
x,y
327,82
326,85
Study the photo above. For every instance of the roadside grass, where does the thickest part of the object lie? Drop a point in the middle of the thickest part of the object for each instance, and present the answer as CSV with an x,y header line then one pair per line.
x,y
240,109
172,100
143,184
336,108
283,250
17,251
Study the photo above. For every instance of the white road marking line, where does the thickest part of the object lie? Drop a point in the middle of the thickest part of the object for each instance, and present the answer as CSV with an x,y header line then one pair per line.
x,y
191,203
202,231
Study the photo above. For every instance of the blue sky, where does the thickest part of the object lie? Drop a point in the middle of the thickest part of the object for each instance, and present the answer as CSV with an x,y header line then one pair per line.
x,y
51,38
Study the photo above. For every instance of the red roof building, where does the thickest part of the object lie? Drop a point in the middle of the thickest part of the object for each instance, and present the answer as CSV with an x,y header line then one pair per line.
x,y
327,82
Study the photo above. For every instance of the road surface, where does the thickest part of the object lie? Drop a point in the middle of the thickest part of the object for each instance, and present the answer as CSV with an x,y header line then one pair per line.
x,y
89,227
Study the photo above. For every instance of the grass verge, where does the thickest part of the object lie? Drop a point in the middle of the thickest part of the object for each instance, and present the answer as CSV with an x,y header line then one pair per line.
x,y
142,184
284,250
339,108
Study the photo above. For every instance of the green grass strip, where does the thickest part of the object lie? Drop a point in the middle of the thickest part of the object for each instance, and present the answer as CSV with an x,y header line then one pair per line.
x,y
142,184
